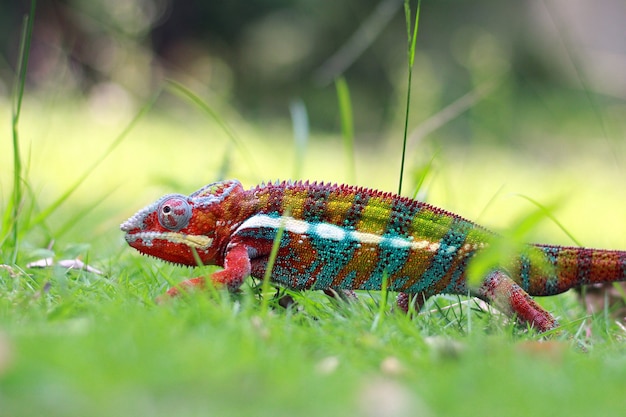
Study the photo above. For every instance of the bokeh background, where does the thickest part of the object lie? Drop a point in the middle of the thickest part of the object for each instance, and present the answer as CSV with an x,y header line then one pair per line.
x,y
504,96
259,55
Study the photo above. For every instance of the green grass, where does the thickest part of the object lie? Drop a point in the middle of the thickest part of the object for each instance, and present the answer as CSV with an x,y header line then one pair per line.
x,y
74,344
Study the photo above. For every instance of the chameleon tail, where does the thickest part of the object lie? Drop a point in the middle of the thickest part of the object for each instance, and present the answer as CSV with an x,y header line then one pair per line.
x,y
560,268
548,270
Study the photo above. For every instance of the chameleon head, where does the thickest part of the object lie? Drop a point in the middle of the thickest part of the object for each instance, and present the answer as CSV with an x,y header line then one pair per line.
x,y
178,228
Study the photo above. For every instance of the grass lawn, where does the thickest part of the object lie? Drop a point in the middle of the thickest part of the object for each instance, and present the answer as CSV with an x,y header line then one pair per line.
x,y
75,343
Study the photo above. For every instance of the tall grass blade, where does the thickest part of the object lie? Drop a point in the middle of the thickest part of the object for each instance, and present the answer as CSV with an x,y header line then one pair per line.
x,y
347,125
421,174
79,214
412,39
55,205
300,122
224,168
382,306
182,91
584,83
265,286
360,40
547,212
450,112
11,224
508,245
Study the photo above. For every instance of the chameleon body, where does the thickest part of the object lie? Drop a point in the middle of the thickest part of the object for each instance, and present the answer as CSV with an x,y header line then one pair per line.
x,y
339,237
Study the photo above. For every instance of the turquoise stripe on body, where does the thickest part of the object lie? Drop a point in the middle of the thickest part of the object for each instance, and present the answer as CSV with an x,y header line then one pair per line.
x,y
552,282
391,259
334,247
347,283
443,259
525,272
457,283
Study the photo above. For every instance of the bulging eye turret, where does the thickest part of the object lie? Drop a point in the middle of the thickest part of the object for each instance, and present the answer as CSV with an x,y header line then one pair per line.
x,y
174,212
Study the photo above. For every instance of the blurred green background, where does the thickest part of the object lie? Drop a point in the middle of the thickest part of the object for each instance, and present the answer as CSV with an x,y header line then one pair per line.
x,y
547,57
507,96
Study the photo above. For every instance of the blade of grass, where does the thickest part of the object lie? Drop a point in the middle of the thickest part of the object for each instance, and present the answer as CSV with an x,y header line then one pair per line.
x,y
547,212
209,284
584,83
300,122
52,207
224,168
360,40
11,223
347,125
450,112
509,244
421,174
80,214
180,90
412,39
265,287
382,306
489,203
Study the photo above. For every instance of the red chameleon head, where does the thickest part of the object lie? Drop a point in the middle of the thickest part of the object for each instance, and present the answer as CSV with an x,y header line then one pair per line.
x,y
176,226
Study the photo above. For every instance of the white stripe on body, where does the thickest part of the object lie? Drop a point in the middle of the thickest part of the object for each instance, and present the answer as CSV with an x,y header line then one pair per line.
x,y
332,232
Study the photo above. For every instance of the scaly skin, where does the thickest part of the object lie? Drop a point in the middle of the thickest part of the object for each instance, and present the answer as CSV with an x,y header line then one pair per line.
x,y
341,237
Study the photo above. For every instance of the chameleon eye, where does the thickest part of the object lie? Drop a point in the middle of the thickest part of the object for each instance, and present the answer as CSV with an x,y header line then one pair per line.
x,y
174,212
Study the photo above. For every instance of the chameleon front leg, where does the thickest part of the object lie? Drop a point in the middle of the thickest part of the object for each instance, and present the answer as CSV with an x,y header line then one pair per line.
x,y
236,268
508,297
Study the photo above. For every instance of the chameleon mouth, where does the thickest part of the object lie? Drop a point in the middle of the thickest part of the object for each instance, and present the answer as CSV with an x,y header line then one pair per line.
x,y
200,242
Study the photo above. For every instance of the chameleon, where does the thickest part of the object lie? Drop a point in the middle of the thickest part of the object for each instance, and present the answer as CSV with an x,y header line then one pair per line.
x,y
343,238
